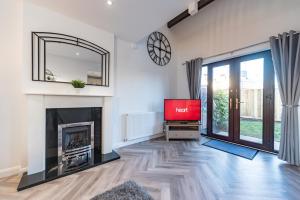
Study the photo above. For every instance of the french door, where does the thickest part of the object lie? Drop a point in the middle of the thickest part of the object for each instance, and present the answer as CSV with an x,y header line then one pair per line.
x,y
240,103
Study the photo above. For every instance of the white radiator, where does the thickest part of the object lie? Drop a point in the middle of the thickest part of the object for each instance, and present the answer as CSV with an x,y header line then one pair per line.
x,y
139,125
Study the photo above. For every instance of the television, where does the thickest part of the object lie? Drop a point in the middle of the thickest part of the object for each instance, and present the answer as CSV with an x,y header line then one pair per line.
x,y
182,110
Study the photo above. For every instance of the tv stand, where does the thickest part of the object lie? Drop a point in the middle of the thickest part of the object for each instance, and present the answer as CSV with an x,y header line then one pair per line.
x,y
182,130
185,122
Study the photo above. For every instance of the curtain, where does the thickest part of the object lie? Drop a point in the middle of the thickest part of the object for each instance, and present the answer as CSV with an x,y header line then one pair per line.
x,y
286,58
193,71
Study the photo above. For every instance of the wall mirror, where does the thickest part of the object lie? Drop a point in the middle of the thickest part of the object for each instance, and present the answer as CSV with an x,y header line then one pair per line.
x,y
62,58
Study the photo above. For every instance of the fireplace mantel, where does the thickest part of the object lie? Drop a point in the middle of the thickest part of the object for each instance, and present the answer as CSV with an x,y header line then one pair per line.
x,y
36,123
36,131
69,94
76,92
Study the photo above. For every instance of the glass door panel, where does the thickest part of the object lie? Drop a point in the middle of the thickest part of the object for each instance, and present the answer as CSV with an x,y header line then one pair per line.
x,y
204,83
220,96
251,100
277,116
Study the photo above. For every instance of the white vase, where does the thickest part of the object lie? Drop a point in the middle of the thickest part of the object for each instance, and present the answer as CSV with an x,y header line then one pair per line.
x,y
77,90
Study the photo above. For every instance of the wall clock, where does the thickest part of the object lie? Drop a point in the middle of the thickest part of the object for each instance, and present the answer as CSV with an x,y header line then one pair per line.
x,y
159,48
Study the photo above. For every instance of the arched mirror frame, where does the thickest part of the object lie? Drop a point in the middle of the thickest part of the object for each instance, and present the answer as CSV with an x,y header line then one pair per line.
x,y
39,58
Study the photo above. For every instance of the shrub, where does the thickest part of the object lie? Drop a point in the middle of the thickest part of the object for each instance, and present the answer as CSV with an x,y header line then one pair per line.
x,y
220,112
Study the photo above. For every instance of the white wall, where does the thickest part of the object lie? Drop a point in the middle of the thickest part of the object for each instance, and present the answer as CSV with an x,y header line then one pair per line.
x,y
11,108
141,85
231,24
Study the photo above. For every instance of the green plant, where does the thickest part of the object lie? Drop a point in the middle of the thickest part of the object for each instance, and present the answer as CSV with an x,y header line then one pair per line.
x,y
220,113
78,83
254,128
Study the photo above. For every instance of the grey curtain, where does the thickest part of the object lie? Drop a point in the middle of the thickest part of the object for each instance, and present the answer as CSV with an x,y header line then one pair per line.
x,y
286,58
193,71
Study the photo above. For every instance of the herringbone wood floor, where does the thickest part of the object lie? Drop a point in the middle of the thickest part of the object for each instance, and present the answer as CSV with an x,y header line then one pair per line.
x,y
174,170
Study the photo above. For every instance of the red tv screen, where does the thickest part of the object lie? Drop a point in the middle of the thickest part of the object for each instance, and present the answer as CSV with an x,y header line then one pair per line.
x,y
182,110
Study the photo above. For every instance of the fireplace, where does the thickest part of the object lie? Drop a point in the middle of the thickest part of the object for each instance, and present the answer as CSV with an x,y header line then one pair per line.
x,y
73,138
75,145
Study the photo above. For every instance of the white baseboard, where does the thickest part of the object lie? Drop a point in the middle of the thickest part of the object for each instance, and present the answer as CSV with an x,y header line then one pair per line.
x,y
16,170
22,170
123,144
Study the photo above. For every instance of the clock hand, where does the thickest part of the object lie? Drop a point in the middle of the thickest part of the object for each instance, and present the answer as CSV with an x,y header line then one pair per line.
x,y
161,49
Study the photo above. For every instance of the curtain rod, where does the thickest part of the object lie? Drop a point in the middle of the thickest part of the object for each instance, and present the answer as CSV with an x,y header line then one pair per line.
x,y
231,52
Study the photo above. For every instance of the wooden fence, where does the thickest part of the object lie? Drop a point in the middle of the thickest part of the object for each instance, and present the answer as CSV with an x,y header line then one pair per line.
x,y
251,106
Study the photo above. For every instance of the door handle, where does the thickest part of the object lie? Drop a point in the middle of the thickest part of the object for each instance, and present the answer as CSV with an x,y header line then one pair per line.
x,y
230,103
237,103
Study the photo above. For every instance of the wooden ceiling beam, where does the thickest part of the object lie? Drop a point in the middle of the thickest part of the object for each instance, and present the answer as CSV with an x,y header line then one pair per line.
x,y
185,14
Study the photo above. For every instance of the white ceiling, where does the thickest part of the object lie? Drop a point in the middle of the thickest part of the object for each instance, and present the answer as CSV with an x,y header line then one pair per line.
x,y
130,20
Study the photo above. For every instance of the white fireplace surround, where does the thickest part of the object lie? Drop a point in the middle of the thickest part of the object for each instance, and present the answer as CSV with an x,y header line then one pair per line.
x,y
36,124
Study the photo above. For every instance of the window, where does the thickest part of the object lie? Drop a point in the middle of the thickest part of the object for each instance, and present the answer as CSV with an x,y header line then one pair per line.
x,y
204,84
251,100
277,116
239,106
221,85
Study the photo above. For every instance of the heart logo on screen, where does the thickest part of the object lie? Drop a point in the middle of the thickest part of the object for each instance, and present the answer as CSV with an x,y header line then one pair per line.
x,y
182,110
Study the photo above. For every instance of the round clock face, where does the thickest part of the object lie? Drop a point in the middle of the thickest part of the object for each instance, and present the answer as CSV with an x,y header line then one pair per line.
x,y
159,48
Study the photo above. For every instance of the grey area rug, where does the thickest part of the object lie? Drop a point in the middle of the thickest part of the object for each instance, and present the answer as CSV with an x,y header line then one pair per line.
x,y
127,191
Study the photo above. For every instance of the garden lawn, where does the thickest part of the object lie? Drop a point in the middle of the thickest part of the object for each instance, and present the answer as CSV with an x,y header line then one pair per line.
x,y
253,128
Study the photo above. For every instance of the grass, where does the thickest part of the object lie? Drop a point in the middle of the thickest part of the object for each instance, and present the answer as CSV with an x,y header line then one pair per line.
x,y
253,128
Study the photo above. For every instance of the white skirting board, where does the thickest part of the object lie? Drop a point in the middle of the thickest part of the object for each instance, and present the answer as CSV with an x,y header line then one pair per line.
x,y
11,171
123,144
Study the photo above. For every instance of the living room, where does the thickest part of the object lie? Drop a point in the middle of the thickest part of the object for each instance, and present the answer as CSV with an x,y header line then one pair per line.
x,y
186,99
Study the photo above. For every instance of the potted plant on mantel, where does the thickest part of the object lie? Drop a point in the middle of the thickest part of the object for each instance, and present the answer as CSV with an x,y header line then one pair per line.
x,y
78,84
